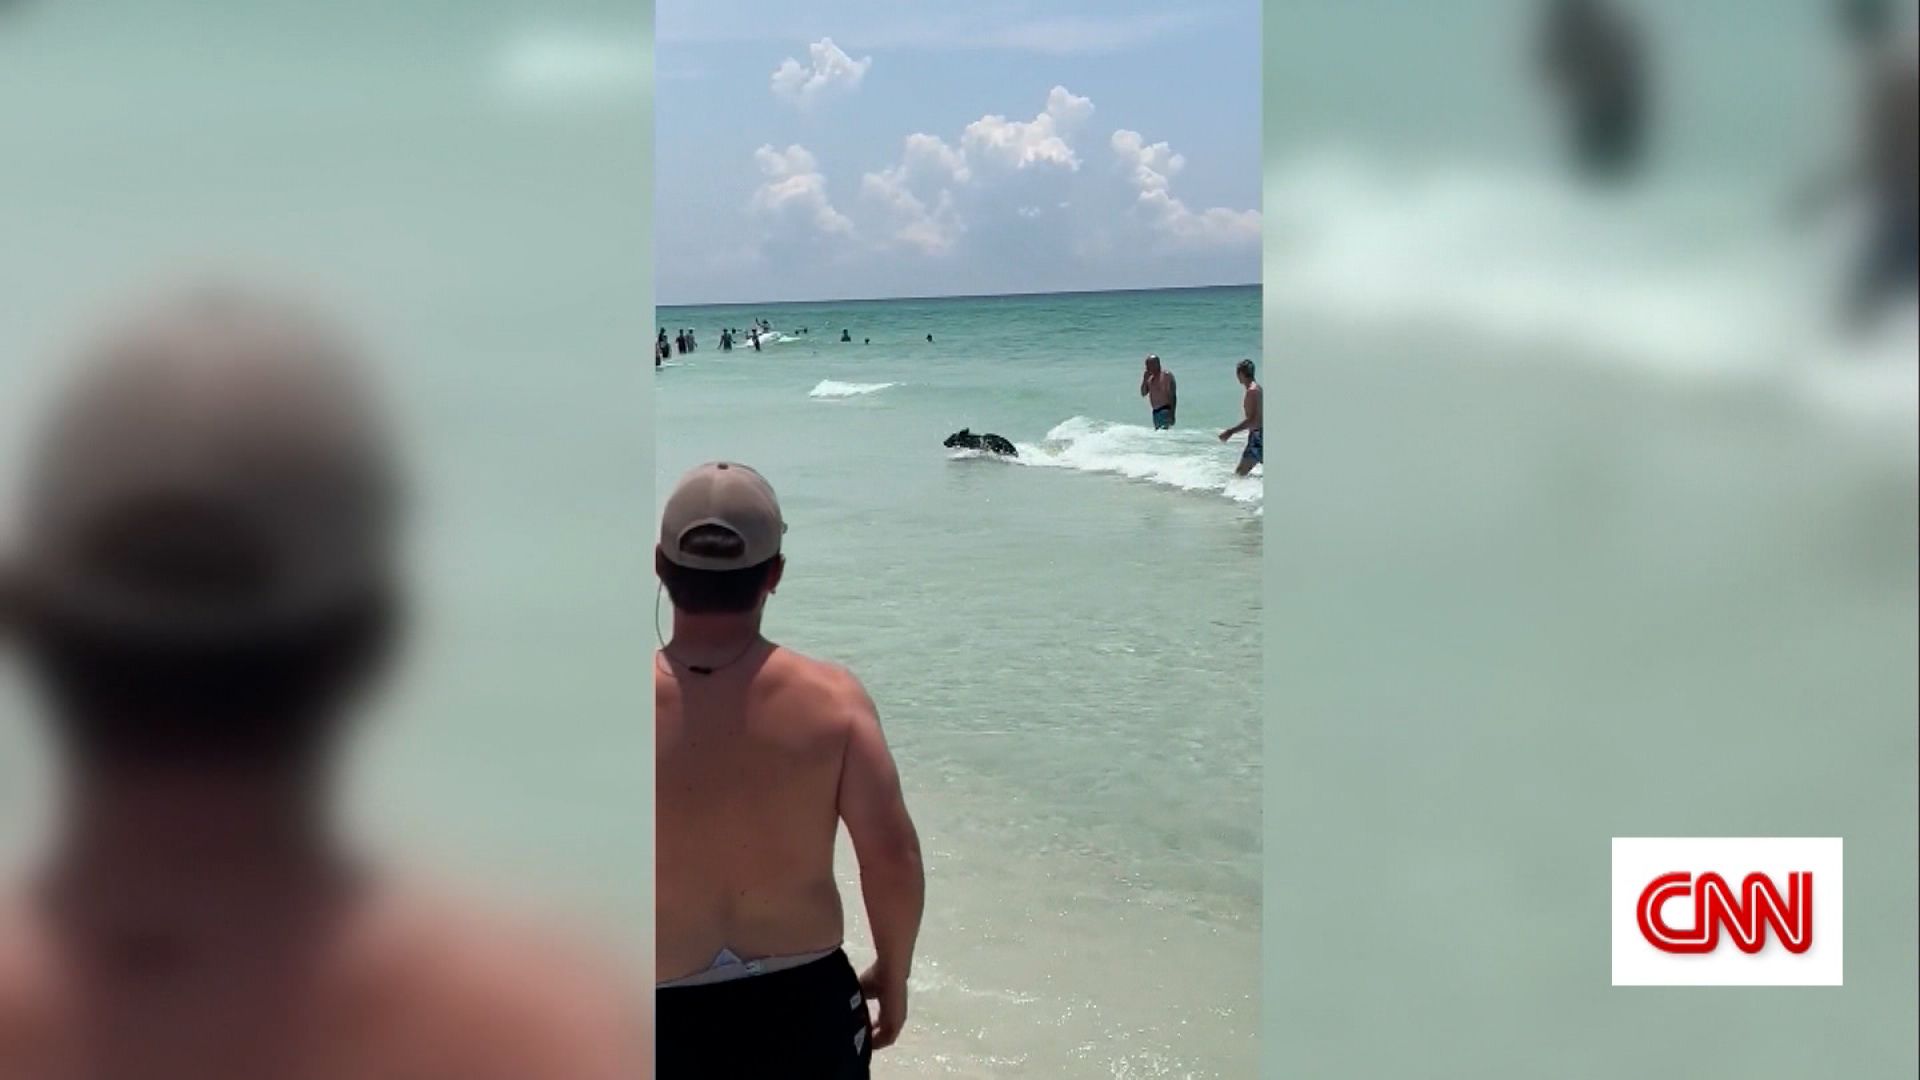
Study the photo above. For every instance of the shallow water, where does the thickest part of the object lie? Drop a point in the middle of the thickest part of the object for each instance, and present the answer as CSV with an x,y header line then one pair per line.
x,y
1065,648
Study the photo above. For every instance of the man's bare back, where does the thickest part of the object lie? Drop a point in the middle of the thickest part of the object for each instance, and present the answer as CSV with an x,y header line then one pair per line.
x,y
394,989
748,799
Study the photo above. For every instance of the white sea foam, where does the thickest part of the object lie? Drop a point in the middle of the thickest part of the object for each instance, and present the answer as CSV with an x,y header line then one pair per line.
x,y
1184,459
829,388
1679,282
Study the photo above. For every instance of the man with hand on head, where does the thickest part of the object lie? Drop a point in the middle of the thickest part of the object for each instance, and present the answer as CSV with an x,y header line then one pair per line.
x,y
208,584
760,755
1157,386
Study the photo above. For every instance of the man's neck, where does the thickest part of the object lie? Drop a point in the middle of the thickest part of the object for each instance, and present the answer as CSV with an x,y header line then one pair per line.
x,y
184,845
712,639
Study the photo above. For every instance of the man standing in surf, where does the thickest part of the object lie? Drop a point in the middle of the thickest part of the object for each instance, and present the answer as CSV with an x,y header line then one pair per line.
x,y
1156,385
760,754
1251,405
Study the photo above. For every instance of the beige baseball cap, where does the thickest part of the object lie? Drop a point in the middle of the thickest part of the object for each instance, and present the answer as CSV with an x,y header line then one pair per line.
x,y
218,466
728,495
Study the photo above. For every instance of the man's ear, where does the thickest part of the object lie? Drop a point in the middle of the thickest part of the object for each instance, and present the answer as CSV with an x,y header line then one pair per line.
x,y
659,561
779,571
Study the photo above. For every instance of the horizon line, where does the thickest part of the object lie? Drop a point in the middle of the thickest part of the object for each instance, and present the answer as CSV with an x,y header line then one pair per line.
x,y
960,296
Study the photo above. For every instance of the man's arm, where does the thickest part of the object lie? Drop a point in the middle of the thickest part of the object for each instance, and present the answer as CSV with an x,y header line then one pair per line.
x,y
1249,407
1173,392
1146,382
892,879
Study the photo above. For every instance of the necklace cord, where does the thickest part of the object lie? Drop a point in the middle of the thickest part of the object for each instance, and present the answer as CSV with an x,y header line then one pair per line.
x,y
697,669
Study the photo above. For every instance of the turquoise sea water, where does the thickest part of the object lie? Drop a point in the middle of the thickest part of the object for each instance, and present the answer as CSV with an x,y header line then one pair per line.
x,y
1065,650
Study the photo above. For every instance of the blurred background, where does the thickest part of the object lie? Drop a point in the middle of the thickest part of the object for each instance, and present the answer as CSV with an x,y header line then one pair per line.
x,y
1593,394
467,187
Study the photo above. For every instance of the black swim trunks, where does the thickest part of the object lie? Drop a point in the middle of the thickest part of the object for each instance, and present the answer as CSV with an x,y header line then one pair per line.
x,y
804,1023
1163,418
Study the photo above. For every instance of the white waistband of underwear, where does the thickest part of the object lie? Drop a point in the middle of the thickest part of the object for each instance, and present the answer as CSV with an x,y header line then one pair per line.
x,y
728,966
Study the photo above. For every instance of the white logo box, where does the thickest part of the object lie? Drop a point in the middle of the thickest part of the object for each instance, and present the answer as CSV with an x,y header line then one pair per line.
x,y
1637,861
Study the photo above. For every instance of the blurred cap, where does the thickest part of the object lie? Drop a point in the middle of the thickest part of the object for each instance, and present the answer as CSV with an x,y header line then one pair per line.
x,y
218,467
732,497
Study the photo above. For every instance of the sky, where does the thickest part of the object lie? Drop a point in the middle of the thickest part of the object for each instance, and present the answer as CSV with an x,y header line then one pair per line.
x,y
875,148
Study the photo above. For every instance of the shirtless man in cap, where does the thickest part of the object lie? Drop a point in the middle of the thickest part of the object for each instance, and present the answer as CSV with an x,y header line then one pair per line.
x,y
761,754
206,583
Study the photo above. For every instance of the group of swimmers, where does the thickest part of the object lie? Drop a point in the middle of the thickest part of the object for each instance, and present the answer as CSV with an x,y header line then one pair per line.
x,y
846,338
684,342
1158,386
1593,55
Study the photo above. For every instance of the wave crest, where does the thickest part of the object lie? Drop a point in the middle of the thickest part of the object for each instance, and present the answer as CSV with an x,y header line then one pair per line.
x,y
1187,460
829,388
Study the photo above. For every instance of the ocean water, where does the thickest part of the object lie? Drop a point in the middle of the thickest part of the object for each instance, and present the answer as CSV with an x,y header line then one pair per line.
x,y
1066,648
1595,525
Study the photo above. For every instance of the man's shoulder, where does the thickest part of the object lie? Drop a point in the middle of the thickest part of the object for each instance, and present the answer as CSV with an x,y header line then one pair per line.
x,y
504,988
823,681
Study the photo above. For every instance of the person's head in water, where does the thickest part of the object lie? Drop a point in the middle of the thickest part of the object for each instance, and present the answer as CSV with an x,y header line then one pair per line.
x,y
1244,372
207,572
720,539
1153,364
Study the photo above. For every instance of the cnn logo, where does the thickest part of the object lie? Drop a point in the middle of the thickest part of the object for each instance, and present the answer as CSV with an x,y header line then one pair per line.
x,y
1726,911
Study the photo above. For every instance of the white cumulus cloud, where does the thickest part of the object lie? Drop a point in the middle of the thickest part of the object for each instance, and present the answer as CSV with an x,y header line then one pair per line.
x,y
795,187
918,193
1041,141
828,70
1151,168
921,195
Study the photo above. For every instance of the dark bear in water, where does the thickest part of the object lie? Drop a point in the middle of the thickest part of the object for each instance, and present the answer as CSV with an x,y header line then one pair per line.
x,y
965,439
